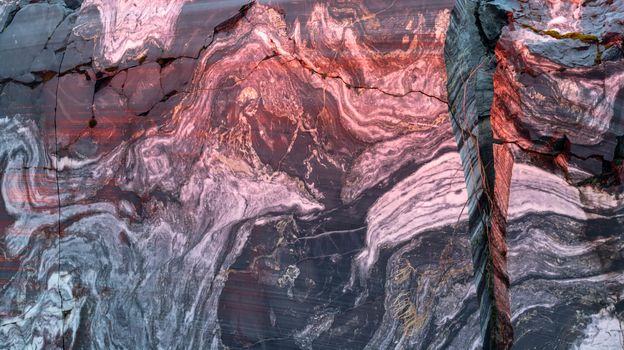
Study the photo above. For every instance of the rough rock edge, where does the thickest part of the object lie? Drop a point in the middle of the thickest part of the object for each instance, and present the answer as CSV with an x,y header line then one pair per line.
x,y
473,32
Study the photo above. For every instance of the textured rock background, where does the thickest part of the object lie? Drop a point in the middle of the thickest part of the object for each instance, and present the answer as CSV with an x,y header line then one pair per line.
x,y
286,174
533,98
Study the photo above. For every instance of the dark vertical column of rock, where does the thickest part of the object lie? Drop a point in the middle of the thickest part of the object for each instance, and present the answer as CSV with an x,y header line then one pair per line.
x,y
470,63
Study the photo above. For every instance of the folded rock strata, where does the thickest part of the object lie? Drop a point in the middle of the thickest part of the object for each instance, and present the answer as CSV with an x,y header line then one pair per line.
x,y
311,175
534,84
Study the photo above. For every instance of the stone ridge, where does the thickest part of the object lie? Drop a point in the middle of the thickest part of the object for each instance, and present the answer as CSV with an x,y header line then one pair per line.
x,y
534,88
470,63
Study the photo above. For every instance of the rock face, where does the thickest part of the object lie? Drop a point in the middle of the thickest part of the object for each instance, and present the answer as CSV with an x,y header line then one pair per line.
x,y
535,92
197,174
470,63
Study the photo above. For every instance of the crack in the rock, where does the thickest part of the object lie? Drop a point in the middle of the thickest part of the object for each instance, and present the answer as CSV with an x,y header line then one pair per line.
x,y
219,28
589,39
349,85
329,233
228,24
363,87
10,17
58,195
486,219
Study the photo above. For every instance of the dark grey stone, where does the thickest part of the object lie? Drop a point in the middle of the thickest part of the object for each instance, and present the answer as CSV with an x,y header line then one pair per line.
x,y
73,4
78,53
591,165
613,53
567,52
88,25
5,14
492,19
47,60
60,37
26,36
196,24
470,64
26,78
18,99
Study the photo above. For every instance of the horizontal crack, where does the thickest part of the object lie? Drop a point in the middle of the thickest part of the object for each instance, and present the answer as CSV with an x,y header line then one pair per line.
x,y
365,87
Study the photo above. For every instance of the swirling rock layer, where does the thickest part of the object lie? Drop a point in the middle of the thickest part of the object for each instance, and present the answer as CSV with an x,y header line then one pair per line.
x,y
198,174
536,94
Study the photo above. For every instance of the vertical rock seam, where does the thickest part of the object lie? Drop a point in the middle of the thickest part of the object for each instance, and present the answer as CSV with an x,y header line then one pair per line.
x,y
473,32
